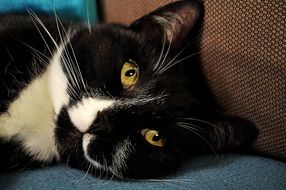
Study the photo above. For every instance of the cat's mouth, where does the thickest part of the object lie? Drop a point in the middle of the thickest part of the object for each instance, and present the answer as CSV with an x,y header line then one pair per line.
x,y
114,161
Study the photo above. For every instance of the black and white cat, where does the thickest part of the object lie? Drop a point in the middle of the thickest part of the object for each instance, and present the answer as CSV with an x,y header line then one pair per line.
x,y
127,100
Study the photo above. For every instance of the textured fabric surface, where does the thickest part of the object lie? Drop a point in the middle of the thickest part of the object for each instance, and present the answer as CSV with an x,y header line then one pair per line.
x,y
244,58
243,53
203,173
81,10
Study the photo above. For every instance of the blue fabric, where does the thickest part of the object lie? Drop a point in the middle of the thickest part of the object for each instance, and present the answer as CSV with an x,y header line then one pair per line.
x,y
81,10
204,172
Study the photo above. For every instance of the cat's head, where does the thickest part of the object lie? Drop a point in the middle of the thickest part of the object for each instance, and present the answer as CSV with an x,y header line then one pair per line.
x,y
126,92
121,93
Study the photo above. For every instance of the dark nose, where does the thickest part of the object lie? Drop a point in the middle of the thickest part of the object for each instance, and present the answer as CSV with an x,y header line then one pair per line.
x,y
101,124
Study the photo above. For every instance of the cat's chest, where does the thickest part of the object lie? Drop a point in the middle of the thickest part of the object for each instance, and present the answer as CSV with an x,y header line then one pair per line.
x,y
30,118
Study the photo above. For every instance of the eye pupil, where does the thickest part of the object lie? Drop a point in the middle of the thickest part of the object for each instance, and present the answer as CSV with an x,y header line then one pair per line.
x,y
130,73
157,137
154,137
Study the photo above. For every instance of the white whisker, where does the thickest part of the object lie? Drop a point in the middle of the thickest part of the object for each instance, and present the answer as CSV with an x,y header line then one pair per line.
x,y
170,64
156,66
87,172
68,61
167,53
43,26
202,121
88,17
165,57
190,128
143,100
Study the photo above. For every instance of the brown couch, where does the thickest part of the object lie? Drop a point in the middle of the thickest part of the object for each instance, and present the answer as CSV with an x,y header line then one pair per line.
x,y
244,60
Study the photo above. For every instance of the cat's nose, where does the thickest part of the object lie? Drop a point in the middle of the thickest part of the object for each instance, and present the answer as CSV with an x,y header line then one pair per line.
x,y
100,124
99,119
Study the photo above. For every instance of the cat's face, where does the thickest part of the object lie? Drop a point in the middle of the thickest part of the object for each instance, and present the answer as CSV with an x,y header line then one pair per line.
x,y
125,94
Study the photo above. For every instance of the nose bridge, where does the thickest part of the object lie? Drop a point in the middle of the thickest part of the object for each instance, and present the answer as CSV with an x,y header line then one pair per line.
x,y
84,113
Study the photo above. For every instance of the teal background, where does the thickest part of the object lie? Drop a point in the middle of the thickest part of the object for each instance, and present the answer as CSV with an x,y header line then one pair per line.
x,y
79,10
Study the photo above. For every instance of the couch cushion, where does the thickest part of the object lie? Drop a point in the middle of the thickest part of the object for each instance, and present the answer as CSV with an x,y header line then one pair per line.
x,y
244,59
204,172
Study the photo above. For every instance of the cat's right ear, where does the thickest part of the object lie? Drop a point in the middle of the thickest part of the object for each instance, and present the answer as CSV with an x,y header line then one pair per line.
x,y
173,22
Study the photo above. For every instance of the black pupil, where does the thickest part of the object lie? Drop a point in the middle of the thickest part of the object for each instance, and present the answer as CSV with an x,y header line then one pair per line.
x,y
130,73
156,137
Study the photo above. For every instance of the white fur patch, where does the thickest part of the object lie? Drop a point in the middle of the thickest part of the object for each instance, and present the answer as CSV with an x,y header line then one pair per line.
x,y
84,113
58,83
85,142
31,116
123,151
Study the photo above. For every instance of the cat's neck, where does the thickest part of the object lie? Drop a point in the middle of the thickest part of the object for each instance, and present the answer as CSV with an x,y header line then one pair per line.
x,y
31,116
30,119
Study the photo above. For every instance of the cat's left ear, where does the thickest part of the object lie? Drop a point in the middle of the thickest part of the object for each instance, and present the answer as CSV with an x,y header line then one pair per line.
x,y
174,22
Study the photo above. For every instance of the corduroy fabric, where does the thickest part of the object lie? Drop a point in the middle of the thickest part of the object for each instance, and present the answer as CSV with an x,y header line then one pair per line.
x,y
244,60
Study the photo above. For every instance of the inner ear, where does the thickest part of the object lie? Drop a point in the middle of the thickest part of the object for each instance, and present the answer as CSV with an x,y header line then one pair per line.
x,y
173,22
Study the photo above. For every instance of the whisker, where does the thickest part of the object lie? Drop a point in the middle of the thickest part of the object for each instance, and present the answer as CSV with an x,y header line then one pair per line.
x,y
36,18
199,135
206,122
67,58
169,65
77,69
156,66
176,56
44,40
168,50
165,57
192,126
43,26
88,17
117,174
143,100
74,73
67,163
87,171
9,53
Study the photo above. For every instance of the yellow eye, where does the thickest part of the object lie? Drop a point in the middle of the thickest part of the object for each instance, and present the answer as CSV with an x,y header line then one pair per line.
x,y
154,137
129,74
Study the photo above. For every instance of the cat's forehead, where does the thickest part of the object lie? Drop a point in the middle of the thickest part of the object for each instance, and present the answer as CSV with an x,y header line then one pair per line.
x,y
109,42
114,35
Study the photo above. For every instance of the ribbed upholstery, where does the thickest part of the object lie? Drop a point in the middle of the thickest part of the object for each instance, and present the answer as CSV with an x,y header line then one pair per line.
x,y
244,60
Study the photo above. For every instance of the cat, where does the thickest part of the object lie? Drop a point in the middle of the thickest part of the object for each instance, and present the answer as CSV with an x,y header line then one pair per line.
x,y
128,100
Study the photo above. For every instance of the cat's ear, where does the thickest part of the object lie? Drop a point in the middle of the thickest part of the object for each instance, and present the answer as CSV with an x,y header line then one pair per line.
x,y
174,22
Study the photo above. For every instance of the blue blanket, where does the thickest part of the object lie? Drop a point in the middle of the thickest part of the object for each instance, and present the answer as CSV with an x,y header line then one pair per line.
x,y
235,172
